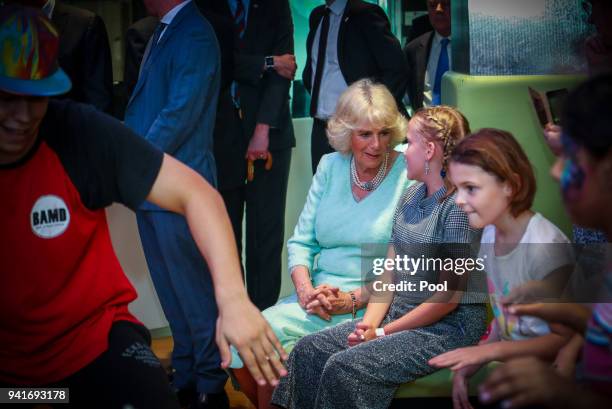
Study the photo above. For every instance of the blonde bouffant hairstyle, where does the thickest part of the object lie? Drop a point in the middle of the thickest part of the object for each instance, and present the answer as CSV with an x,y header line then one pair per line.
x,y
445,126
365,102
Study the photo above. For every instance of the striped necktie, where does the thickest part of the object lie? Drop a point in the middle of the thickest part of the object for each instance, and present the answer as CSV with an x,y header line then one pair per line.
x,y
239,19
239,28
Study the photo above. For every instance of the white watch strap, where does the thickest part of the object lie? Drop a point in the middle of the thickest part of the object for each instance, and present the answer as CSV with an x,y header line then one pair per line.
x,y
380,332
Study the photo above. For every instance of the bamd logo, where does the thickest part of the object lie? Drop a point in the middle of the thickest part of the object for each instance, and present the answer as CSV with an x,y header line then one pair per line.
x,y
49,217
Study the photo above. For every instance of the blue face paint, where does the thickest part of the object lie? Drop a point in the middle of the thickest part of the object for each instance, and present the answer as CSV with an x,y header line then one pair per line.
x,y
572,177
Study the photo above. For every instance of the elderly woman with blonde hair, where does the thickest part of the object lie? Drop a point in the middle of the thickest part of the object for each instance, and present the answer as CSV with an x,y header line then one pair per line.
x,y
350,204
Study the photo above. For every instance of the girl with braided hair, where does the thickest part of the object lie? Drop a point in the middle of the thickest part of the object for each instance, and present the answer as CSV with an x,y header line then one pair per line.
x,y
360,364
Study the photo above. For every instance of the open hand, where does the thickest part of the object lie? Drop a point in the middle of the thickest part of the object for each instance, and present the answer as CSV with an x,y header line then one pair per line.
x,y
524,382
464,357
241,324
461,380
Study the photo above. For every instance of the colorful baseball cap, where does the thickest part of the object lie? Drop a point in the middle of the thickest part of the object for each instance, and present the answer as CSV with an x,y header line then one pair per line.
x,y
28,49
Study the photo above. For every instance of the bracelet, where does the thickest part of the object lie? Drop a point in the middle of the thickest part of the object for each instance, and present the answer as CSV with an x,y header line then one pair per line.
x,y
354,302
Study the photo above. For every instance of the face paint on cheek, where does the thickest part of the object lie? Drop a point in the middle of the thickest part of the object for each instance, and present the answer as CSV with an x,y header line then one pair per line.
x,y
572,177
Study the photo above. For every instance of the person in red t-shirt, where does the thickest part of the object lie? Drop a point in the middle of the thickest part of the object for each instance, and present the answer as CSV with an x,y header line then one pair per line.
x,y
64,318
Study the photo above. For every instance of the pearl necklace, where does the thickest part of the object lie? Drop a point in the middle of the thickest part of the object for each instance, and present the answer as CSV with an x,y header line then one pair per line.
x,y
371,184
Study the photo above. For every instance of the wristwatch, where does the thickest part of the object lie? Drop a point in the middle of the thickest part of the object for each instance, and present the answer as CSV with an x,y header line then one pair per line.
x,y
380,332
269,62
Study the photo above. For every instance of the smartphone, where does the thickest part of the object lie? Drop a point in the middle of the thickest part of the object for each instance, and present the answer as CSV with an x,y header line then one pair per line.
x,y
556,102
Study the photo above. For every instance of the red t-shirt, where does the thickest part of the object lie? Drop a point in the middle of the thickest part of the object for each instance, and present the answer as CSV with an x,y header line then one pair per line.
x,y
61,284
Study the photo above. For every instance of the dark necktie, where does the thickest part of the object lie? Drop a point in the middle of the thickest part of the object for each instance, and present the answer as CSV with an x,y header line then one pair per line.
x,y
154,40
239,19
239,28
314,100
443,66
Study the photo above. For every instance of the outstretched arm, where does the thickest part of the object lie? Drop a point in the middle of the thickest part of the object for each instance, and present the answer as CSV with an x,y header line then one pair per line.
x,y
179,189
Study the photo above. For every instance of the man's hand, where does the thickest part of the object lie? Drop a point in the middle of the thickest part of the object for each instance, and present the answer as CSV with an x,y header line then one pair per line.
x,y
240,324
259,143
285,65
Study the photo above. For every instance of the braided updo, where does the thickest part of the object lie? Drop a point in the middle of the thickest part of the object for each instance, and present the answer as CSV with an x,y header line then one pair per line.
x,y
445,126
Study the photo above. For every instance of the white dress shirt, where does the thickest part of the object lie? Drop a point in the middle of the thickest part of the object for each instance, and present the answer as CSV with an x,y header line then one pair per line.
x,y
432,65
332,82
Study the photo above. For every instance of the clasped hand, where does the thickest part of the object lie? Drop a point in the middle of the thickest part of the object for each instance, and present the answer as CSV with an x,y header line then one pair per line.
x,y
325,300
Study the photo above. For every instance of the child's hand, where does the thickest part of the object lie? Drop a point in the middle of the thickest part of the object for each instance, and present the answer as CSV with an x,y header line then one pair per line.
x,y
363,333
463,357
565,362
461,379
552,135
523,382
574,316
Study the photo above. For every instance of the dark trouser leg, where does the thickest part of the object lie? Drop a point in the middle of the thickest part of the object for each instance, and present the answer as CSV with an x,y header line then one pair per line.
x,y
127,373
182,353
188,289
319,144
265,228
234,203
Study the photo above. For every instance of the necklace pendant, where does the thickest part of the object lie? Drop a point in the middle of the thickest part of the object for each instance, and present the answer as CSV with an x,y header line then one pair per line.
x,y
368,185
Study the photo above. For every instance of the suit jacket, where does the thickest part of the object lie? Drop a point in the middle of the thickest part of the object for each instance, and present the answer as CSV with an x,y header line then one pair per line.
x,y
138,34
264,96
366,48
174,102
136,39
420,26
84,53
417,53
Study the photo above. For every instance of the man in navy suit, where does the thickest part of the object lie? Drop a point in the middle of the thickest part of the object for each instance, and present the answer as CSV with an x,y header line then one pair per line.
x,y
173,106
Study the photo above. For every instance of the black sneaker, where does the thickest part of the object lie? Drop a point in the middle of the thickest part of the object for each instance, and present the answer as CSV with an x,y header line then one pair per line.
x,y
211,401
187,397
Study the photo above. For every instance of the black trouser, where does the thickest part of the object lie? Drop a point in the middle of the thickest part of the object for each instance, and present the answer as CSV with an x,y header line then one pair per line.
x,y
265,199
127,373
319,144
